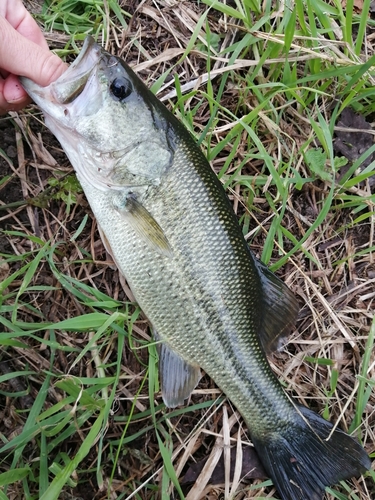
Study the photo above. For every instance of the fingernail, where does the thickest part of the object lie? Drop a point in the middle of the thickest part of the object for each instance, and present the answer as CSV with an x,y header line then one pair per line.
x,y
15,95
16,100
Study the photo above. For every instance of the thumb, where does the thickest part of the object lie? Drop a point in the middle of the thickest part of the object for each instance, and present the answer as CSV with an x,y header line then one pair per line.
x,y
20,56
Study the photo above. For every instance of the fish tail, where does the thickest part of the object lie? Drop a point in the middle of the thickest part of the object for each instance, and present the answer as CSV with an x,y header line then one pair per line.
x,y
306,456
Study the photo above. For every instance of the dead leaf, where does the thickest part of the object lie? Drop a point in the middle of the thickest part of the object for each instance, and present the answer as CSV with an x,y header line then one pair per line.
x,y
357,4
353,144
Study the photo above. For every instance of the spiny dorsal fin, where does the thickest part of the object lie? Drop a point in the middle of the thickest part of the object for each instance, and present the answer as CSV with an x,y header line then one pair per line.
x,y
178,377
280,310
145,225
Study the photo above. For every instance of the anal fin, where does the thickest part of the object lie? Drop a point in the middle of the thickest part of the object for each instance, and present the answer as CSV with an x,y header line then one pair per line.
x,y
178,377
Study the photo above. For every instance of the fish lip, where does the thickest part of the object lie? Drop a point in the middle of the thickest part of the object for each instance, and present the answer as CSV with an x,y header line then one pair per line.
x,y
71,82
89,48
74,79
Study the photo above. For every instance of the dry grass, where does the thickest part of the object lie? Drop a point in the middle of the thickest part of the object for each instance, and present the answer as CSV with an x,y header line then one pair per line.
x,y
54,268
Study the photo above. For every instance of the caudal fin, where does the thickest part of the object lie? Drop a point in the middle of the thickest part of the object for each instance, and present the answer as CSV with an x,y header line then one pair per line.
x,y
302,461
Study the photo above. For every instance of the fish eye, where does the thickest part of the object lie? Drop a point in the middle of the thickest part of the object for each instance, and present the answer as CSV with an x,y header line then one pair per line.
x,y
121,88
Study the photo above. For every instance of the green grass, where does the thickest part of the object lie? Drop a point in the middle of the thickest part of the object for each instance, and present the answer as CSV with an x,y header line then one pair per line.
x,y
266,119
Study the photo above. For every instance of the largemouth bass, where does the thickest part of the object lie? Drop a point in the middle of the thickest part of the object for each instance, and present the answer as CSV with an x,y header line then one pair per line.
x,y
166,220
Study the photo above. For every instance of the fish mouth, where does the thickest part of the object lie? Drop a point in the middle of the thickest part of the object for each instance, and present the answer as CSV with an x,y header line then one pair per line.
x,y
70,84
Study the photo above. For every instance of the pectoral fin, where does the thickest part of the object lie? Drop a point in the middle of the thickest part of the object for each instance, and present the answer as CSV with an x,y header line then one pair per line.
x,y
280,310
178,377
145,225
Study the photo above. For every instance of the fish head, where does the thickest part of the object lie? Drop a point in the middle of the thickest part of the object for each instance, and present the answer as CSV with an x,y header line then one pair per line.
x,y
110,125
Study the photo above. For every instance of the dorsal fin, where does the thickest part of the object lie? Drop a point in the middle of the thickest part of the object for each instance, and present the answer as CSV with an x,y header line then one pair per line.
x,y
280,310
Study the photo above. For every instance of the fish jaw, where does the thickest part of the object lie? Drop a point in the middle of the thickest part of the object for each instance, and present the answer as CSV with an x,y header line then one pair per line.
x,y
52,98
60,106
82,112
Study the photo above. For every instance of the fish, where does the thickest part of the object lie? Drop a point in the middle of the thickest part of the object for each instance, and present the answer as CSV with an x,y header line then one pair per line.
x,y
166,220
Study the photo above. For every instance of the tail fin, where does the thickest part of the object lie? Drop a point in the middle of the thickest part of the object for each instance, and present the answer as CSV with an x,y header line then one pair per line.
x,y
302,462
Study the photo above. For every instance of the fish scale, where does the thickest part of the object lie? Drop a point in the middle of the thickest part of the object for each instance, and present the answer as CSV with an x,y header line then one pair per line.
x,y
165,218
188,281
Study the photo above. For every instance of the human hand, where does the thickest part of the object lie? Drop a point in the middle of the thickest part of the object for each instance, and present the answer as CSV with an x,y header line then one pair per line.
x,y
24,52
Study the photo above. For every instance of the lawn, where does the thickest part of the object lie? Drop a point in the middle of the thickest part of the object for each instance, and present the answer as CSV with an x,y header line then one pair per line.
x,y
281,98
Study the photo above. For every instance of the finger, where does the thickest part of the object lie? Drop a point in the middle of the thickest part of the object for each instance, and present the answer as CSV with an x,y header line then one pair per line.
x,y
13,91
3,74
5,106
22,21
26,58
